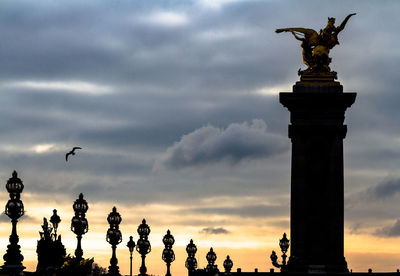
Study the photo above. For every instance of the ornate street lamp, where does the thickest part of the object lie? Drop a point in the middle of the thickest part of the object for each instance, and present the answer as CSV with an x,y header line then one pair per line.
x,y
211,257
14,210
168,255
191,262
143,245
79,223
55,221
114,237
228,265
131,246
284,245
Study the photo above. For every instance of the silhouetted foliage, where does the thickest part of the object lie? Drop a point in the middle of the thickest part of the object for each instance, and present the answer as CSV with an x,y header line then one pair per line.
x,y
98,270
72,266
51,252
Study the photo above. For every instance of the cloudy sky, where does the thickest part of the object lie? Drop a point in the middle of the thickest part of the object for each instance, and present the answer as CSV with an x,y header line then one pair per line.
x,y
175,104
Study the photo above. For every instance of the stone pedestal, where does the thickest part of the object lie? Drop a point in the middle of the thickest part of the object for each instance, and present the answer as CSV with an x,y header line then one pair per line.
x,y
317,109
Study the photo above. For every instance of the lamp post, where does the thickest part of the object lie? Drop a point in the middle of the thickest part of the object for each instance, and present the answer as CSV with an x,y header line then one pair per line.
x,y
131,246
228,265
168,254
191,262
284,245
114,237
55,221
211,258
143,245
14,210
79,223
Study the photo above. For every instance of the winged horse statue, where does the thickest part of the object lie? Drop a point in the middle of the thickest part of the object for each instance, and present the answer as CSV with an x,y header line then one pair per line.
x,y
316,46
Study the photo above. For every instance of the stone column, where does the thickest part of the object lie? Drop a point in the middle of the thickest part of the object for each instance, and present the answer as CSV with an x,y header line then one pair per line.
x,y
317,106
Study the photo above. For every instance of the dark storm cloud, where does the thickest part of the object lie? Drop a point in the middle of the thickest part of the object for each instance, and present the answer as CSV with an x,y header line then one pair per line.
x,y
138,120
372,207
388,188
389,231
209,145
208,60
213,51
214,230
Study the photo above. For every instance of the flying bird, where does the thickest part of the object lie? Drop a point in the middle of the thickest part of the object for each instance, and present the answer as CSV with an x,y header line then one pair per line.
x,y
71,152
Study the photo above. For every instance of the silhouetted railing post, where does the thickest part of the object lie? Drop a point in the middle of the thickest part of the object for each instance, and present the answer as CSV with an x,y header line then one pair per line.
x,y
14,210
79,223
114,237
143,245
191,262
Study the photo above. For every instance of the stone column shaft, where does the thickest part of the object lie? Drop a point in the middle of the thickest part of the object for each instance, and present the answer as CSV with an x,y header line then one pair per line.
x,y
316,211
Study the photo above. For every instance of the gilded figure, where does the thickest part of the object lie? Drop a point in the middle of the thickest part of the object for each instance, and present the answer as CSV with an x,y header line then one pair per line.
x,y
316,46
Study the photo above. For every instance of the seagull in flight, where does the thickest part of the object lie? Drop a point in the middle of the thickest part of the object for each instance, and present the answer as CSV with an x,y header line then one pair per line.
x,y
72,152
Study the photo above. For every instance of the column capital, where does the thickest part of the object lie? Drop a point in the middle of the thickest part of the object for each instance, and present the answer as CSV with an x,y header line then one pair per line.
x,y
316,101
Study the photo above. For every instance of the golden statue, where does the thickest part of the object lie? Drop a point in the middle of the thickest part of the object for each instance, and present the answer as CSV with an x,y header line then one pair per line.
x,y
316,46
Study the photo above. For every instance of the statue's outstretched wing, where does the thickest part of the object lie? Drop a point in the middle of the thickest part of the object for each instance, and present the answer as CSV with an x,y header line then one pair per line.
x,y
310,35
